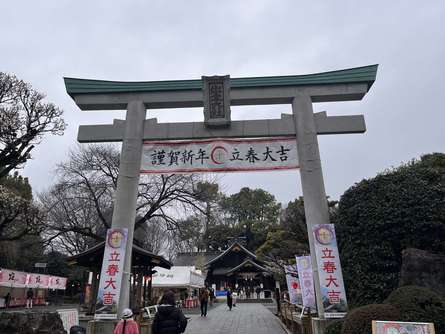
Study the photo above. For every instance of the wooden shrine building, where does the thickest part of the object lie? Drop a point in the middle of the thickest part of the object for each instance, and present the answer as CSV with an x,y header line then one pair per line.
x,y
142,264
236,268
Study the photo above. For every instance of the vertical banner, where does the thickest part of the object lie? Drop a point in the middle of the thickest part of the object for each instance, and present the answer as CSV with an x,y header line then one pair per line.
x,y
111,274
304,266
329,268
293,285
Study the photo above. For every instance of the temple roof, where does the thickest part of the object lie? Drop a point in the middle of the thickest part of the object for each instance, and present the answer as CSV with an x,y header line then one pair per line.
x,y
93,257
249,264
364,74
234,246
197,259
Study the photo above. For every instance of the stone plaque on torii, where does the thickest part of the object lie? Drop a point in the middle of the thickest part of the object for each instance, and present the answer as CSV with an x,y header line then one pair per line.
x,y
217,94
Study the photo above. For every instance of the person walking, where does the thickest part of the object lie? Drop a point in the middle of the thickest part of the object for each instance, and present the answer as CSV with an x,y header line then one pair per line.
x,y
29,297
7,299
204,300
127,325
229,299
234,297
169,319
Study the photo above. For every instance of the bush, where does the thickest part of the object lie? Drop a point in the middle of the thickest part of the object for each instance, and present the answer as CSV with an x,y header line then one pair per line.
x,y
335,327
419,305
380,217
360,319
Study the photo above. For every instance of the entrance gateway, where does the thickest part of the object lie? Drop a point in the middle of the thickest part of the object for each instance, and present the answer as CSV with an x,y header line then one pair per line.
x,y
217,94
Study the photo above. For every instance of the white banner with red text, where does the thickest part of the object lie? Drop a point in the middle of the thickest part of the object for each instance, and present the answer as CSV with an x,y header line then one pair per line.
x,y
329,269
304,267
219,155
111,274
20,279
293,285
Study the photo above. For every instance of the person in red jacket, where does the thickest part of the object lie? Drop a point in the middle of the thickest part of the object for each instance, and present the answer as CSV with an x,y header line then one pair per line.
x,y
127,325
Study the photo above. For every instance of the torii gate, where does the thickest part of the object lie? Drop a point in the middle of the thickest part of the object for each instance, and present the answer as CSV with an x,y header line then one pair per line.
x,y
299,90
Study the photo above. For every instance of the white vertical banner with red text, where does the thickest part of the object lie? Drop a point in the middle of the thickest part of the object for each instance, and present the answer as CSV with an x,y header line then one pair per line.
x,y
329,269
293,284
305,274
111,274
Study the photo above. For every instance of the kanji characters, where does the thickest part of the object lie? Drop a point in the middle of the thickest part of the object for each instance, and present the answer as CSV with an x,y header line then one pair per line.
x,y
334,297
267,154
114,257
327,253
329,267
283,153
331,280
173,155
110,283
108,298
112,269
251,155
202,156
236,155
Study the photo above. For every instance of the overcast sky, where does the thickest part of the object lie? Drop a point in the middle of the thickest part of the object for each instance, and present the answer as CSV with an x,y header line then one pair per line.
x,y
43,41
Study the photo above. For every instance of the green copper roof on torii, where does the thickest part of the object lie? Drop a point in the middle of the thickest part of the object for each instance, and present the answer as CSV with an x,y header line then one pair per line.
x,y
365,74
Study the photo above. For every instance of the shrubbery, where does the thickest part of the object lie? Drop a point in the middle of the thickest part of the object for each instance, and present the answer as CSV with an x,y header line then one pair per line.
x,y
380,217
335,327
359,320
419,304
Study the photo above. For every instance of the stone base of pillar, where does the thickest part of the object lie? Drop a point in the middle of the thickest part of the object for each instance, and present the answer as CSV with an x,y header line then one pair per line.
x,y
101,326
319,325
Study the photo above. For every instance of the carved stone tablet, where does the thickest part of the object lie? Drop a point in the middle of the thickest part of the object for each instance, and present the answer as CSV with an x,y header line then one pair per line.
x,y
216,101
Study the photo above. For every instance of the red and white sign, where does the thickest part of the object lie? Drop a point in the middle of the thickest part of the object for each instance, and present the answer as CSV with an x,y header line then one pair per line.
x,y
111,274
69,317
13,278
38,281
329,268
219,155
305,274
56,282
293,285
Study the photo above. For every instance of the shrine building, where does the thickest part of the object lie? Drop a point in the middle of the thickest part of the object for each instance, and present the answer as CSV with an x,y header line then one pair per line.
x,y
236,268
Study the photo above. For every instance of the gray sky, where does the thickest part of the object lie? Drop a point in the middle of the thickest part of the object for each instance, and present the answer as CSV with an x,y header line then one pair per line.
x,y
42,41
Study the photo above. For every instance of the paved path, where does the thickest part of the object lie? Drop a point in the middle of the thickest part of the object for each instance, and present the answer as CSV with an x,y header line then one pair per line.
x,y
243,319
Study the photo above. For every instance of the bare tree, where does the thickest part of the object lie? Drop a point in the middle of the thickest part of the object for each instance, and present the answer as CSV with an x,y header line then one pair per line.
x,y
18,216
79,206
24,119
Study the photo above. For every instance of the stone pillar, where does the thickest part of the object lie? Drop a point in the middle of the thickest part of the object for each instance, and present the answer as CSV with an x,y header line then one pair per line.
x,y
315,201
124,213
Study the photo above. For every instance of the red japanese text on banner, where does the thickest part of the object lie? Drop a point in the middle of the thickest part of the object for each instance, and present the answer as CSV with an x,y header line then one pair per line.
x,y
219,155
293,285
304,266
111,274
13,278
329,268
38,281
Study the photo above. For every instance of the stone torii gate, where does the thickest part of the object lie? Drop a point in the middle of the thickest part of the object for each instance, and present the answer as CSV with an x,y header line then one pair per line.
x,y
299,90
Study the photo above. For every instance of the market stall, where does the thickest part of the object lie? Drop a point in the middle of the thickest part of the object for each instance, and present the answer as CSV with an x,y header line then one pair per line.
x,y
185,281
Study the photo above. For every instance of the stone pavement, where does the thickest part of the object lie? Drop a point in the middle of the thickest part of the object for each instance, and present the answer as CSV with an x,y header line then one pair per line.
x,y
243,319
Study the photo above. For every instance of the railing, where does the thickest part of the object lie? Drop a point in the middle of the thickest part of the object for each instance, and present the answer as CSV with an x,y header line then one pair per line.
x,y
295,321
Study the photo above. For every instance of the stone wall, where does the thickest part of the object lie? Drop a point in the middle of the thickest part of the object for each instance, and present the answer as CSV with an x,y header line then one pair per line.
x,y
422,268
31,323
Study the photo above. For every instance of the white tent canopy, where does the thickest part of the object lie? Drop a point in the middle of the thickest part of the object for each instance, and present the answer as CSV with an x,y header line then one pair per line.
x,y
178,277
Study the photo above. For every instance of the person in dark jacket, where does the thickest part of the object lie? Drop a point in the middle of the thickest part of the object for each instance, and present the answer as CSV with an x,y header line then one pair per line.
x,y
229,299
169,319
